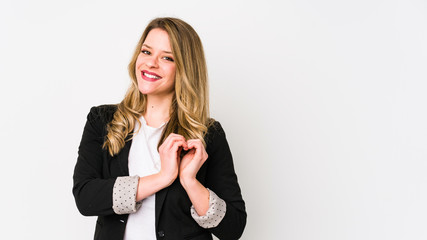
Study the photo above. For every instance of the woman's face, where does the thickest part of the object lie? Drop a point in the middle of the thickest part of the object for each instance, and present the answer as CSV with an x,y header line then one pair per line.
x,y
155,66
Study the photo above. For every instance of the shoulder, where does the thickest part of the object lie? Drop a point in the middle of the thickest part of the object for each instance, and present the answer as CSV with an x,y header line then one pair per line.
x,y
102,114
215,132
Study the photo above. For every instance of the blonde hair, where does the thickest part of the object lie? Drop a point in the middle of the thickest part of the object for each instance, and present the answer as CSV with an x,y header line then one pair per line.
x,y
189,113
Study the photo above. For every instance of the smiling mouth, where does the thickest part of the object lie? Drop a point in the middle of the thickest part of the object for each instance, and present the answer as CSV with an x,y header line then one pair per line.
x,y
150,76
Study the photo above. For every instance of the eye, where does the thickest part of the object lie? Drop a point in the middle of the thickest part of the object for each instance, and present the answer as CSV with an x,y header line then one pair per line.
x,y
146,52
168,58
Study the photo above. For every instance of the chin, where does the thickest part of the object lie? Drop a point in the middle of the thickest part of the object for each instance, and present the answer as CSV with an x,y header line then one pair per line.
x,y
145,92
143,88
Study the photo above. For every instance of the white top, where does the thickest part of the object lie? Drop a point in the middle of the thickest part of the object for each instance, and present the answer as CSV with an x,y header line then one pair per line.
x,y
144,160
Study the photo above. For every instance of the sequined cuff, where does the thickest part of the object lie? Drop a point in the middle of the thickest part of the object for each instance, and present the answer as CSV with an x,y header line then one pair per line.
x,y
215,213
124,195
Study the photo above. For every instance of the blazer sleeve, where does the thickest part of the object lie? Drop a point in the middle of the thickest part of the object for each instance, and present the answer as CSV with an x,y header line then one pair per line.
x,y
222,179
92,192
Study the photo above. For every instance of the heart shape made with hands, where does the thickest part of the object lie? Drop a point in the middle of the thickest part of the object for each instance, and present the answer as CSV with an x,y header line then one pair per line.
x,y
186,149
192,156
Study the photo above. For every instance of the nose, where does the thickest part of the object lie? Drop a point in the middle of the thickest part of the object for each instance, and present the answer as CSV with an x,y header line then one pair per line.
x,y
152,62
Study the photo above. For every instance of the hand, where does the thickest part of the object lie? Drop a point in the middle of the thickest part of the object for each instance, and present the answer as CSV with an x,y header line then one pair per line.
x,y
169,153
192,161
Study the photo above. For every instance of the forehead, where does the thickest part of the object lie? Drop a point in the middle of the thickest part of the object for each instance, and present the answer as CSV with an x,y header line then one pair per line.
x,y
158,39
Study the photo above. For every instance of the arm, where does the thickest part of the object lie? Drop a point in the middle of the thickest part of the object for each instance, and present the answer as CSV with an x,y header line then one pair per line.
x,y
222,180
128,192
189,166
198,194
92,193
208,209
220,209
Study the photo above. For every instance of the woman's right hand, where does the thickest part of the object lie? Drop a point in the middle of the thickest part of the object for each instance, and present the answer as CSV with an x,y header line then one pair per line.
x,y
169,153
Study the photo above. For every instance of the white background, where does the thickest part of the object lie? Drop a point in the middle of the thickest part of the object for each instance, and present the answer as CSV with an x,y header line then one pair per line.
x,y
323,103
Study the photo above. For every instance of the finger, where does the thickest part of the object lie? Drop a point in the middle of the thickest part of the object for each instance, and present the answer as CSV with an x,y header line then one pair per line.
x,y
188,157
200,149
170,140
178,154
197,145
195,142
177,145
171,146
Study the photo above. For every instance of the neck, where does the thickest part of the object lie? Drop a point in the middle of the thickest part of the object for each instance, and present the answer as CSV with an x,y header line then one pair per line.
x,y
158,110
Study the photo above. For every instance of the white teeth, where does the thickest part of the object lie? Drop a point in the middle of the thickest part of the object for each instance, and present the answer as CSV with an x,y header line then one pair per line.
x,y
150,76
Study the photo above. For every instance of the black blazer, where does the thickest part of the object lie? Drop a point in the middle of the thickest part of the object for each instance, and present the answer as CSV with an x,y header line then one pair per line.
x,y
96,171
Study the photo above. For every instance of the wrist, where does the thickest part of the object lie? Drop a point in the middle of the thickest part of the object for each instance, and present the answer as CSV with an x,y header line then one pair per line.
x,y
165,179
188,182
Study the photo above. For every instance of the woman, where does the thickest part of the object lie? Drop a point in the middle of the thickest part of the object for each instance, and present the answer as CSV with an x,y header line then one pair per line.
x,y
156,166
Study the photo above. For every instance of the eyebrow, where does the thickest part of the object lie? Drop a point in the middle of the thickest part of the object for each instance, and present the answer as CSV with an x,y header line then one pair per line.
x,y
152,48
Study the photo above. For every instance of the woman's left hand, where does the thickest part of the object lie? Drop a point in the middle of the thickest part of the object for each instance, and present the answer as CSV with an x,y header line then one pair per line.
x,y
192,161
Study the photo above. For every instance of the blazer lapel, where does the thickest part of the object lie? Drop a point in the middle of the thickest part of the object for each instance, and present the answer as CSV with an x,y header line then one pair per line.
x,y
123,157
160,198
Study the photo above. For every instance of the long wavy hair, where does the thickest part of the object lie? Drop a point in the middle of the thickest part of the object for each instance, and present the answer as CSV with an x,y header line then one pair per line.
x,y
189,113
